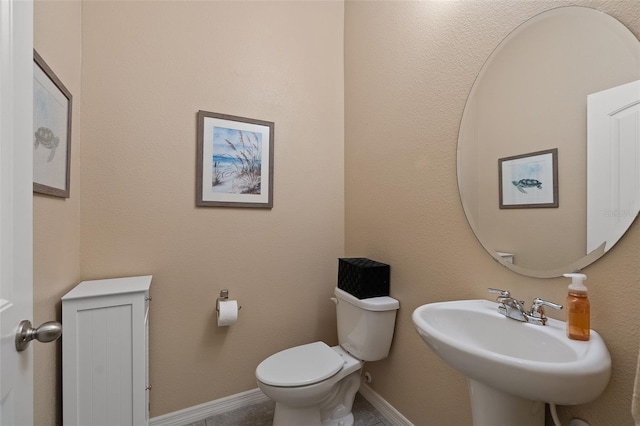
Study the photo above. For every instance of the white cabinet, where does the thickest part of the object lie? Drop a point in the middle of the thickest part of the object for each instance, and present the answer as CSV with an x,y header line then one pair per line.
x,y
105,346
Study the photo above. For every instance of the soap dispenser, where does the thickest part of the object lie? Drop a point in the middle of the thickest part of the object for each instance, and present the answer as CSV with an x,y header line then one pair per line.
x,y
578,308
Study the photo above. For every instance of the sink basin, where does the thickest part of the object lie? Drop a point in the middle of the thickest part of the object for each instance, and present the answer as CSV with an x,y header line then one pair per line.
x,y
537,363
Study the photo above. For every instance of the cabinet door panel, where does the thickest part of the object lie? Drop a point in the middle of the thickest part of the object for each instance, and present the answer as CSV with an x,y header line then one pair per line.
x,y
105,365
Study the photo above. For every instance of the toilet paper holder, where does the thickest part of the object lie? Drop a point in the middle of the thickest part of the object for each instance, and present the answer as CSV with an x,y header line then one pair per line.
x,y
224,295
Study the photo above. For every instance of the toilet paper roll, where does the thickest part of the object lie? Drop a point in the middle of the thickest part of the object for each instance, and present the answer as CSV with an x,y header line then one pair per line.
x,y
227,312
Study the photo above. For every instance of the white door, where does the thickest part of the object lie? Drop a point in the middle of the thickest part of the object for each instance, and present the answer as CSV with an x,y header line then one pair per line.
x,y
16,227
613,163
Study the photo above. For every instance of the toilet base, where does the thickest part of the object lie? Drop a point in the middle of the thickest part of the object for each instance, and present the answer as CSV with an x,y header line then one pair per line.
x,y
287,416
333,410
296,415
345,421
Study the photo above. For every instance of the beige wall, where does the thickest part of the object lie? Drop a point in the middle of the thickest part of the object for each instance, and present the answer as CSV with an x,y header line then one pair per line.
x,y
147,68
56,221
409,67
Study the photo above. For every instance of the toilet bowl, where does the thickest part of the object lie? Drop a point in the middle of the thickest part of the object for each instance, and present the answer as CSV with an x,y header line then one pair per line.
x,y
315,384
312,384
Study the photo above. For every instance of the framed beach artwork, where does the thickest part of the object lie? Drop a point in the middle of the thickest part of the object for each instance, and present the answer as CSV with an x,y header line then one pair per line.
x,y
529,180
235,161
52,104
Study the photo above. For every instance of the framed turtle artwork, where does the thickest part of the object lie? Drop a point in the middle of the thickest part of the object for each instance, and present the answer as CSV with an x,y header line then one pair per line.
x,y
529,180
51,131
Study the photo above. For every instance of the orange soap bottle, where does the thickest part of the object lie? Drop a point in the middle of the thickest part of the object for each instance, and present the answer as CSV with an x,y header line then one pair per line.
x,y
578,308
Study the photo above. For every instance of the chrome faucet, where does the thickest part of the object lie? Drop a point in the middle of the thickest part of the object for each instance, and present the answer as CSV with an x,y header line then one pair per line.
x,y
514,309
536,314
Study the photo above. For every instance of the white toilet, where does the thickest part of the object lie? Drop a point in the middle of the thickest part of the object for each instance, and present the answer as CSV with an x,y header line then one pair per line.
x,y
315,384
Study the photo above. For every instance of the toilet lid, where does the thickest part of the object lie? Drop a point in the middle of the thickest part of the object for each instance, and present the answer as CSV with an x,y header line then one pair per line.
x,y
300,366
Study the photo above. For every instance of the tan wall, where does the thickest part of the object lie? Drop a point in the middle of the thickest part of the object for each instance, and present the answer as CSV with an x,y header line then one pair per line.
x,y
409,67
56,221
147,68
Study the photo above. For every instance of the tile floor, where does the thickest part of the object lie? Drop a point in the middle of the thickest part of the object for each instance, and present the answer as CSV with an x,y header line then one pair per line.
x,y
262,415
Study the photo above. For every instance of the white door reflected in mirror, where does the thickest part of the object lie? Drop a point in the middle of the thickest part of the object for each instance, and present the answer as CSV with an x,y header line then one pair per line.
x,y
613,156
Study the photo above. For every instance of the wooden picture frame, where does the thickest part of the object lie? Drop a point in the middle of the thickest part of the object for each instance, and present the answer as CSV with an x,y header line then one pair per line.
x,y
52,107
234,161
529,180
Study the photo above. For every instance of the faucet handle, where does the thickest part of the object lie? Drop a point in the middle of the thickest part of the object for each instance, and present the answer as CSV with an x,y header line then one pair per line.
x,y
502,293
537,307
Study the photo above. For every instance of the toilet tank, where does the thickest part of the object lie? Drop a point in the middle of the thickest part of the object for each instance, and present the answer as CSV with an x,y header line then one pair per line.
x,y
365,326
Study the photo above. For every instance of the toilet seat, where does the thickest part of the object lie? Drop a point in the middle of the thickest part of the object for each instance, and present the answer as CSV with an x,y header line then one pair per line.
x,y
300,366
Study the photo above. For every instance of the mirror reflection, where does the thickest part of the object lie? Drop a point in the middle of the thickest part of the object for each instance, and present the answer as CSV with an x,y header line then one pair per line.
x,y
565,82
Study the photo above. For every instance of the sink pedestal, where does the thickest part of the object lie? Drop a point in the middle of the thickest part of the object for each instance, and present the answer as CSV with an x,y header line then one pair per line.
x,y
491,407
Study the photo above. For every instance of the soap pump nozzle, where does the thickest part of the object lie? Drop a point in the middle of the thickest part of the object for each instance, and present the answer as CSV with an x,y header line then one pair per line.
x,y
577,282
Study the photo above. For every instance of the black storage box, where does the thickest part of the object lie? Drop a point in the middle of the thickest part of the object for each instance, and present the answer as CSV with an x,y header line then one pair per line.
x,y
363,278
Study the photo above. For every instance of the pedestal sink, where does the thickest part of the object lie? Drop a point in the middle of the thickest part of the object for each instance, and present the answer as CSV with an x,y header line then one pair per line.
x,y
513,367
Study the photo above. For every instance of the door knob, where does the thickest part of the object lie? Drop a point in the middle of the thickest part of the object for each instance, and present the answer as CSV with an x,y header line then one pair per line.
x,y
47,332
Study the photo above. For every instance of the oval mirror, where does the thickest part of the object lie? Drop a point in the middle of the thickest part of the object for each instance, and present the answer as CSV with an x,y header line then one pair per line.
x,y
549,142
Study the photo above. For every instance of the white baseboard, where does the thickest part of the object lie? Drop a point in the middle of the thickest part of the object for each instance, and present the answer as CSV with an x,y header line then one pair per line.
x,y
211,408
383,406
255,396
